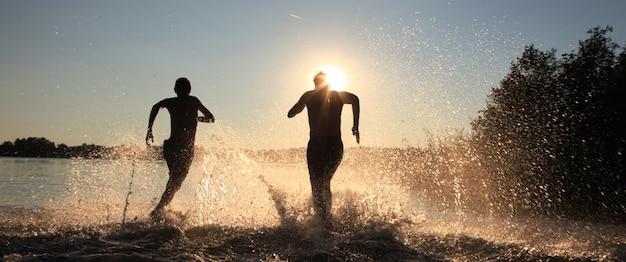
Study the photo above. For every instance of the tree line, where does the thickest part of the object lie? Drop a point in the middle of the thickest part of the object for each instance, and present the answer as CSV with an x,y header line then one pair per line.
x,y
42,147
552,137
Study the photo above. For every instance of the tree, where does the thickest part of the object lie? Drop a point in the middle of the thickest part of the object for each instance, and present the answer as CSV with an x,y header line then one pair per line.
x,y
34,147
7,149
550,136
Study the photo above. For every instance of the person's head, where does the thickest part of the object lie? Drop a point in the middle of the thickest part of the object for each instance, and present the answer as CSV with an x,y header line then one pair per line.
x,y
320,80
182,87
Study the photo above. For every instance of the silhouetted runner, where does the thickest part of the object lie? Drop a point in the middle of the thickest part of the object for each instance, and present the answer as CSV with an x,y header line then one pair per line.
x,y
325,148
178,149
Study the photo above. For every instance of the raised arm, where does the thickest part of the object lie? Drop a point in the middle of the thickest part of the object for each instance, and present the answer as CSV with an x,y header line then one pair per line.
x,y
349,98
299,106
208,117
153,114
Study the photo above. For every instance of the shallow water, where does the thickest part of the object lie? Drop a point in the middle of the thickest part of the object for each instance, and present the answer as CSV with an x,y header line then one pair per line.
x,y
231,208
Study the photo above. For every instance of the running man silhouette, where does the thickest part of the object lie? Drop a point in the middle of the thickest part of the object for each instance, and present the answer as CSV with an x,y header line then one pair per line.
x,y
179,148
325,148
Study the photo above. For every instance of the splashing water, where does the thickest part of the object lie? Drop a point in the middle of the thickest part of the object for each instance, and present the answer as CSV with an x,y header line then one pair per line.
x,y
231,207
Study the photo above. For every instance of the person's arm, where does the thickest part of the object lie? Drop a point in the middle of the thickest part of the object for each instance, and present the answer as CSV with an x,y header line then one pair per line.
x,y
153,114
299,106
208,117
349,98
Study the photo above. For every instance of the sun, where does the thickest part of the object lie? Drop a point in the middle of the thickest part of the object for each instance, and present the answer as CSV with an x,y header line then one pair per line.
x,y
335,76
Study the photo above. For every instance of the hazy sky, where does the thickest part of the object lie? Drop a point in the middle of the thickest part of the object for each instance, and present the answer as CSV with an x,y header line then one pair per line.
x,y
89,71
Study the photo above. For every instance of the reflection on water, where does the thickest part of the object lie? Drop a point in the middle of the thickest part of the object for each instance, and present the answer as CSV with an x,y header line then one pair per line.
x,y
32,182
233,208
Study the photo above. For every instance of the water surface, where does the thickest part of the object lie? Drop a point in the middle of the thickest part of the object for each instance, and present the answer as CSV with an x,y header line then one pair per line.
x,y
231,208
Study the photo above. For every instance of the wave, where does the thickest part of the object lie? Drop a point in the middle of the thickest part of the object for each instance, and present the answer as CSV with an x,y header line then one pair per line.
x,y
39,234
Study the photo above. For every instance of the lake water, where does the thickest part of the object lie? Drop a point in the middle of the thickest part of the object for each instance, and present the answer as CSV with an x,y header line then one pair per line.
x,y
231,208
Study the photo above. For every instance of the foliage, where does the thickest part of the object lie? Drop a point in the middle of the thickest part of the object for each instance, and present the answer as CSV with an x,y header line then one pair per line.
x,y
42,147
552,136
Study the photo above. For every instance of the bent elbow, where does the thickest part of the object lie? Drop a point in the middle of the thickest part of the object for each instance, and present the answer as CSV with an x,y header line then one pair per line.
x,y
355,100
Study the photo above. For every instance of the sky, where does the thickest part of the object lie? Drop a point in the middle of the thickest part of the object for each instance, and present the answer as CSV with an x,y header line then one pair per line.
x,y
79,72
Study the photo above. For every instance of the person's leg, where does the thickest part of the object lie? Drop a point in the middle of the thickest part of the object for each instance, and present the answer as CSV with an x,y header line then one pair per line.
x,y
333,156
175,181
314,162
178,162
323,158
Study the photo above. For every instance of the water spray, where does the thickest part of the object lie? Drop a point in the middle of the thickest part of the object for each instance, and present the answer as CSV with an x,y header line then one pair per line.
x,y
278,197
130,191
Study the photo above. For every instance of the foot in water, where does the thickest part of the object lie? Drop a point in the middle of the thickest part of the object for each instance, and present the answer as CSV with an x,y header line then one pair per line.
x,y
326,221
168,216
328,224
157,215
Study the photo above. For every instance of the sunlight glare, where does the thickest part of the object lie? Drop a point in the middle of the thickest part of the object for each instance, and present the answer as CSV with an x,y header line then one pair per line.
x,y
336,77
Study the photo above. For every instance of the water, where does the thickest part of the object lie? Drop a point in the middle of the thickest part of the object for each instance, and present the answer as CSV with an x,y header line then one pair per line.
x,y
233,208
